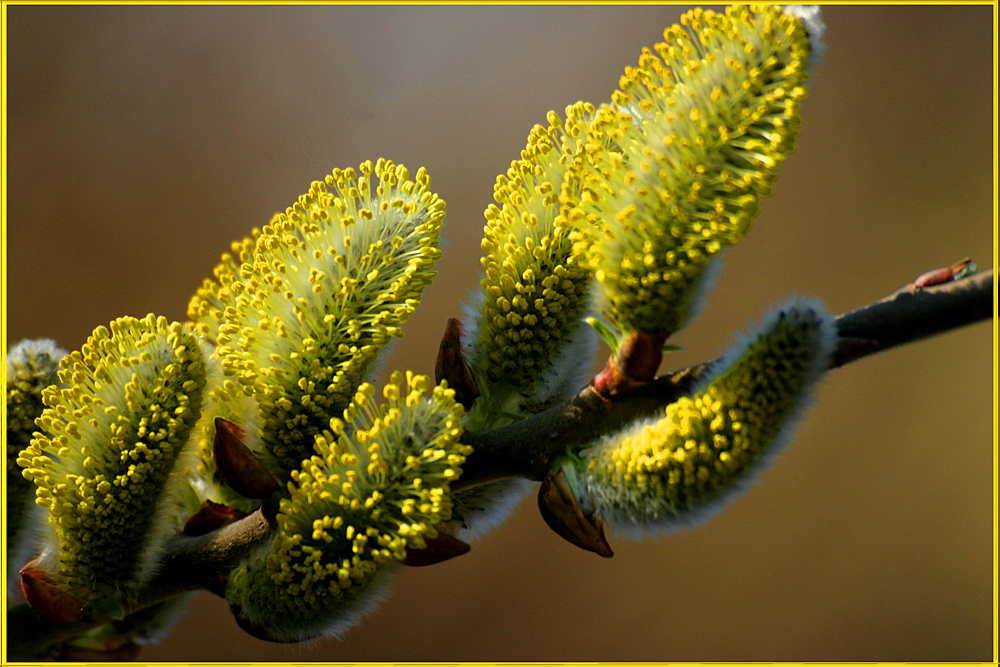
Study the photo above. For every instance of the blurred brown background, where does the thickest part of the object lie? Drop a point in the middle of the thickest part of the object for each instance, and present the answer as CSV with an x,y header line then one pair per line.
x,y
143,139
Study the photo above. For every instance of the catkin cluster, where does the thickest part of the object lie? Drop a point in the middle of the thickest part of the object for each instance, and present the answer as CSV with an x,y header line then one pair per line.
x,y
615,211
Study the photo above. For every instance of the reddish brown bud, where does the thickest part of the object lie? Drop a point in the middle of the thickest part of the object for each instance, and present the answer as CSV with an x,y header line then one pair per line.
x,y
439,549
944,275
48,600
563,514
451,365
635,364
639,356
211,516
239,468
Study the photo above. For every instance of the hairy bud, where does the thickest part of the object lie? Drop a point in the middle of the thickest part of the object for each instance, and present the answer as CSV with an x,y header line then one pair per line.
x,y
660,473
701,125
377,485
110,463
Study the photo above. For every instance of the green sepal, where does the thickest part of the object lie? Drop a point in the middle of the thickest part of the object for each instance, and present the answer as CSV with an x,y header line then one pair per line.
x,y
605,333
110,608
966,270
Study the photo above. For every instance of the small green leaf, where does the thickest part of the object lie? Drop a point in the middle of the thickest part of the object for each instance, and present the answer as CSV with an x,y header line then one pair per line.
x,y
606,334
965,268
110,608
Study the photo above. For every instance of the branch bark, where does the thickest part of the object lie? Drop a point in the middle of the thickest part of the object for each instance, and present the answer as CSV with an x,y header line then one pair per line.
x,y
524,449
911,314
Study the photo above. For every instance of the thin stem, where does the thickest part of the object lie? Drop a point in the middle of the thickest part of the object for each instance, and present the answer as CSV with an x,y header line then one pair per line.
x,y
911,314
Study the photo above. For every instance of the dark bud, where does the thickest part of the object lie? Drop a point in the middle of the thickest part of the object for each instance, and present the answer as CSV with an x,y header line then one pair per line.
x,y
237,465
211,516
451,365
563,514
441,548
48,600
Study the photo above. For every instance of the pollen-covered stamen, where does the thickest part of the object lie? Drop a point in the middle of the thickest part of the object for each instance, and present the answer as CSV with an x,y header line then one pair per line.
x,y
535,286
702,123
332,280
377,486
112,435
811,17
208,306
660,473
31,366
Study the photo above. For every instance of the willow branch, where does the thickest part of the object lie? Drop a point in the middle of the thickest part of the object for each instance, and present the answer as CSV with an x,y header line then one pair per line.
x,y
911,314
524,449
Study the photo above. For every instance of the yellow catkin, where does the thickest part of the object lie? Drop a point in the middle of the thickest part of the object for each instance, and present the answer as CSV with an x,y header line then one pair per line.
x,y
328,283
702,125
377,484
111,433
31,367
662,471
535,287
